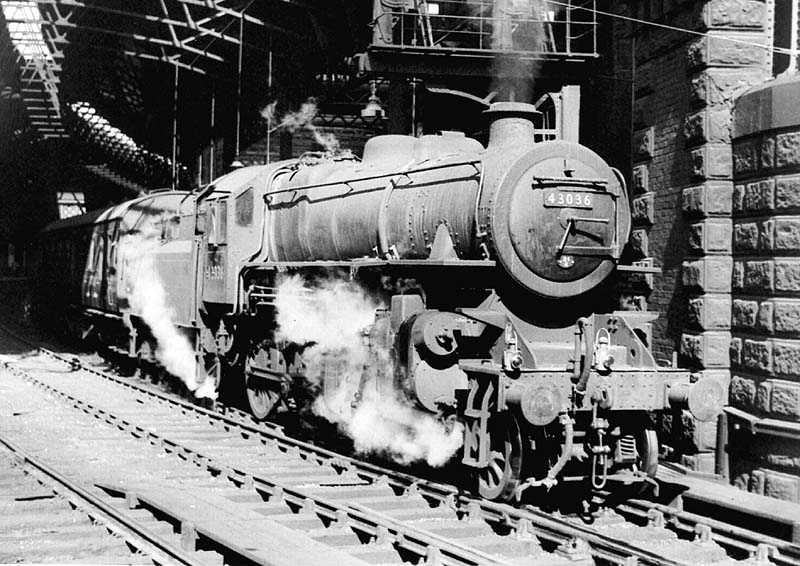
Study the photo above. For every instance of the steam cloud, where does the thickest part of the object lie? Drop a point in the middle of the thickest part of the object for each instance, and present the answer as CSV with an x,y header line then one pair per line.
x,y
333,317
148,299
303,118
518,25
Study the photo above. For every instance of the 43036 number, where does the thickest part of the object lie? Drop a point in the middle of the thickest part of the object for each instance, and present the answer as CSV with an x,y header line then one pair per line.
x,y
567,199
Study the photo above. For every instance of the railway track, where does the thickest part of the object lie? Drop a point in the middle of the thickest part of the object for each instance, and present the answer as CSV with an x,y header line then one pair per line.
x,y
342,502
46,517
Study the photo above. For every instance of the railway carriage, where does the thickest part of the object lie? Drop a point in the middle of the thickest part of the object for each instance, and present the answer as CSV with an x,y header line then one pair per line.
x,y
502,253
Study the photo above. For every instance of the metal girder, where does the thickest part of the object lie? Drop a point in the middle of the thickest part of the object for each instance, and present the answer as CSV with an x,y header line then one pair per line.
x,y
137,37
185,34
200,36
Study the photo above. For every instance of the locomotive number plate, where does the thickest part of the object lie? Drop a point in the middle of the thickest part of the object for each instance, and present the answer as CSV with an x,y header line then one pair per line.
x,y
568,199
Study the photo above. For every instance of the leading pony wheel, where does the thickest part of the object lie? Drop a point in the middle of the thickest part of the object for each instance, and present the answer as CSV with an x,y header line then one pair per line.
x,y
647,445
261,398
498,480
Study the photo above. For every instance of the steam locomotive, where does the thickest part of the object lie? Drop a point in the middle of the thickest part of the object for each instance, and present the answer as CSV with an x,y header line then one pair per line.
x,y
491,257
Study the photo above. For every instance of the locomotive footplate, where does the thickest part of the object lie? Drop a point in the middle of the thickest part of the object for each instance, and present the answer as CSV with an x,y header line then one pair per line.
x,y
541,396
601,430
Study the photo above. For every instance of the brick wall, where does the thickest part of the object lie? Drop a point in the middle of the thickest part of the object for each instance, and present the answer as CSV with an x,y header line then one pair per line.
x,y
765,350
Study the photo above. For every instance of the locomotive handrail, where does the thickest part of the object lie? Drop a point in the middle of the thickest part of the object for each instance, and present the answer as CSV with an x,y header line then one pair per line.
x,y
586,326
372,262
479,232
473,162
572,222
639,268
589,250
571,181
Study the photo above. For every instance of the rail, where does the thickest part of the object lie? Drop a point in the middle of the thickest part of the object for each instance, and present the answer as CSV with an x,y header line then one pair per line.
x,y
101,512
571,537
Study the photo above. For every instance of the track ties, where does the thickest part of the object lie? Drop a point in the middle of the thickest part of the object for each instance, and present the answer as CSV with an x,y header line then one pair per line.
x,y
57,520
377,515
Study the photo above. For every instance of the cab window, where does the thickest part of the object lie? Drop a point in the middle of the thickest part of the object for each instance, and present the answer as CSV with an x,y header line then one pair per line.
x,y
222,222
244,208
201,227
211,227
217,216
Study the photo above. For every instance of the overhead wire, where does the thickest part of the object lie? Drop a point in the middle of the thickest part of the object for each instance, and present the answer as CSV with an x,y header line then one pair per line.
x,y
781,50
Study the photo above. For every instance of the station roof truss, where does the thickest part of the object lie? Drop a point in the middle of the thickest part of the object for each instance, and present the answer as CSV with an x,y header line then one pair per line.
x,y
199,36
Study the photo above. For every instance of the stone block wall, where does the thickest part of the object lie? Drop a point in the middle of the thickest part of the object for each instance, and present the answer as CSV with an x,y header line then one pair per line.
x,y
718,69
765,308
684,90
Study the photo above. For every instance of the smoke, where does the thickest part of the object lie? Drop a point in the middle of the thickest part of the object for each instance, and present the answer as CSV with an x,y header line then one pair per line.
x,y
268,112
353,378
302,118
148,299
517,25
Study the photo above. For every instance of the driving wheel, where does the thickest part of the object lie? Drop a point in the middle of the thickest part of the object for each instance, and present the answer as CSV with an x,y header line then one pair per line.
x,y
498,480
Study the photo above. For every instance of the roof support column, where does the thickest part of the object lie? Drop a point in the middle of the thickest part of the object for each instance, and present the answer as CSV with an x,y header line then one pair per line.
x,y
175,129
239,90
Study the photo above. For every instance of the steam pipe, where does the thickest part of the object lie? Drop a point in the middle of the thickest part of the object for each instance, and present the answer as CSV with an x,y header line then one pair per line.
x,y
566,451
576,366
585,325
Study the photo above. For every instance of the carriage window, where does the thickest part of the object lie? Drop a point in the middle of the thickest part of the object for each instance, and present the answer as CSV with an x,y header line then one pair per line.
x,y
98,250
174,227
170,225
163,223
113,241
244,208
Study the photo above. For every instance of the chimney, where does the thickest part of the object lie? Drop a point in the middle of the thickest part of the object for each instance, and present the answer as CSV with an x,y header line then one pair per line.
x,y
511,123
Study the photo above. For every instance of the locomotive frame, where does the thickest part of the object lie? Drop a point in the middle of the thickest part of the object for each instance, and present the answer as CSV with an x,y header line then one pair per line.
x,y
503,247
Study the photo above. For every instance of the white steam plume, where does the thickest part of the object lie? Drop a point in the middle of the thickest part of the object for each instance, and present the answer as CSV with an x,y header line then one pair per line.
x,y
303,118
517,25
148,299
333,317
